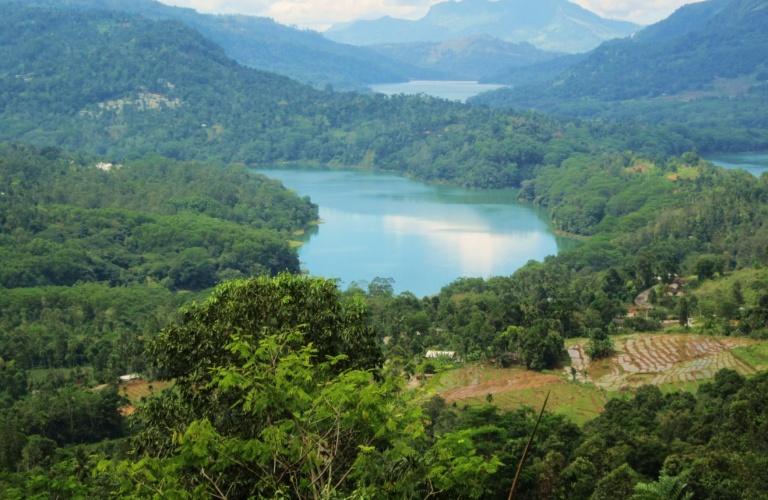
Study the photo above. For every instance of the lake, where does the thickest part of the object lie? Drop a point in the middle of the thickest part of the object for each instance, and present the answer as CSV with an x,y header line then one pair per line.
x,y
422,236
445,89
754,163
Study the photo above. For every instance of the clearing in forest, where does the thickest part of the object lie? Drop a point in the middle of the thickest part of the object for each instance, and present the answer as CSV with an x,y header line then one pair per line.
x,y
661,359
511,388
136,390
672,361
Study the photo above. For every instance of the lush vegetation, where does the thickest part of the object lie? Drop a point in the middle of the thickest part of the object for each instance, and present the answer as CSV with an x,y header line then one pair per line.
x,y
184,226
283,385
648,224
701,72
261,43
268,414
124,87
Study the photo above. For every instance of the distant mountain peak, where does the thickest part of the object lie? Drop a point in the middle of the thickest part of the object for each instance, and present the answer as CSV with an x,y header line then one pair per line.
x,y
555,25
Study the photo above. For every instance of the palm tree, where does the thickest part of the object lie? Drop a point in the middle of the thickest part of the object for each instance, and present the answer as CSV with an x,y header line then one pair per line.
x,y
666,488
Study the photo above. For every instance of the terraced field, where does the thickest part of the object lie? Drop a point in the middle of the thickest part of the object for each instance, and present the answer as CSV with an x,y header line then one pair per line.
x,y
671,361
660,359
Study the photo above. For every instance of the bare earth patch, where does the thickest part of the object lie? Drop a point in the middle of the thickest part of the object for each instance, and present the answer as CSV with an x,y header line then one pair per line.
x,y
483,381
136,390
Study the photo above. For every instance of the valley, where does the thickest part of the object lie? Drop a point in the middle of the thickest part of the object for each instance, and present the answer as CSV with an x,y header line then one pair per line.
x,y
421,236
232,269
444,89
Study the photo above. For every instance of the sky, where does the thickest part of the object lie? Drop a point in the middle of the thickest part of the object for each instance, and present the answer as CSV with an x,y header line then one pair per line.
x,y
320,14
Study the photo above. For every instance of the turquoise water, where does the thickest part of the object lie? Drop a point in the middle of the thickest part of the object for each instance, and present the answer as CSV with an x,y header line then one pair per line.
x,y
422,236
754,163
453,90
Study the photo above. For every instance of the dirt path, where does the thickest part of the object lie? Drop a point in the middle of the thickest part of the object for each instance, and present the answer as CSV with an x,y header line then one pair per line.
x,y
643,300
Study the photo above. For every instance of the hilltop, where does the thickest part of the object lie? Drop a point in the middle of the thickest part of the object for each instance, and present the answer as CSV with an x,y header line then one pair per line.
x,y
553,25
123,86
705,66
264,44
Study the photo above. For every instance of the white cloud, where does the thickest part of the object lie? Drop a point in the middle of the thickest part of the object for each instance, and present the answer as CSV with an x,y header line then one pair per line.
x,y
639,11
319,14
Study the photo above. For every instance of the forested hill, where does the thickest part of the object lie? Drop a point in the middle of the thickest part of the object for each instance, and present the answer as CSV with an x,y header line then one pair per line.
x,y
95,255
727,41
263,44
706,64
67,220
124,87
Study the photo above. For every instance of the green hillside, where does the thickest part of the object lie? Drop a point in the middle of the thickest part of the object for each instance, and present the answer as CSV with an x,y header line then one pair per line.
x,y
264,44
704,68
158,340
125,87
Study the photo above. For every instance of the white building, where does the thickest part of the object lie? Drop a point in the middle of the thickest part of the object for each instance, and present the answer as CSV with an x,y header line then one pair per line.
x,y
440,354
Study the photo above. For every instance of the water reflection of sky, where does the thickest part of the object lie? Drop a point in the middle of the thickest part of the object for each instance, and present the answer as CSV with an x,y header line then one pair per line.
x,y
444,89
422,236
470,249
754,163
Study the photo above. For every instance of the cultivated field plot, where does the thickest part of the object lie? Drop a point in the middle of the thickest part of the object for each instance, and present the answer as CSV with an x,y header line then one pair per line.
x,y
672,361
136,390
512,388
661,359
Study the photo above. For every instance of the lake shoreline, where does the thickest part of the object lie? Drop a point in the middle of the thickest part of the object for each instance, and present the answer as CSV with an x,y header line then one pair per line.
x,y
452,90
754,162
424,235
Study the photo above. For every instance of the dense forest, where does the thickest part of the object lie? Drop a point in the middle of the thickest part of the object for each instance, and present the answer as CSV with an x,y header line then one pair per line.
x,y
124,87
262,43
97,256
701,71
147,250
305,409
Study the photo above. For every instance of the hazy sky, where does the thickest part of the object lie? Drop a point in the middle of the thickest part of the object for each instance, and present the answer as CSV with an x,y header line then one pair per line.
x,y
319,14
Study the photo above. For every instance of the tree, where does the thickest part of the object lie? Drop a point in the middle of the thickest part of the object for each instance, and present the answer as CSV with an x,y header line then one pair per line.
x,y
683,311
737,293
579,478
13,381
708,265
666,488
539,346
619,483
600,344
38,452
190,348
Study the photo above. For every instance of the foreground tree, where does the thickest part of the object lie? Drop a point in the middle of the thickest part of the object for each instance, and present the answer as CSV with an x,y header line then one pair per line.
x,y
290,405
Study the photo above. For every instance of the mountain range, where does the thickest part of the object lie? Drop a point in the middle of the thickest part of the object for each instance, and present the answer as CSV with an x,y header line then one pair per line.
x,y
263,44
472,58
553,25
706,67
121,86
719,47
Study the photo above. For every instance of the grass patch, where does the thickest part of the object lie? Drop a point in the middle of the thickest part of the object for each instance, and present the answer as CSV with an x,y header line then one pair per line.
x,y
137,390
511,388
714,295
754,355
